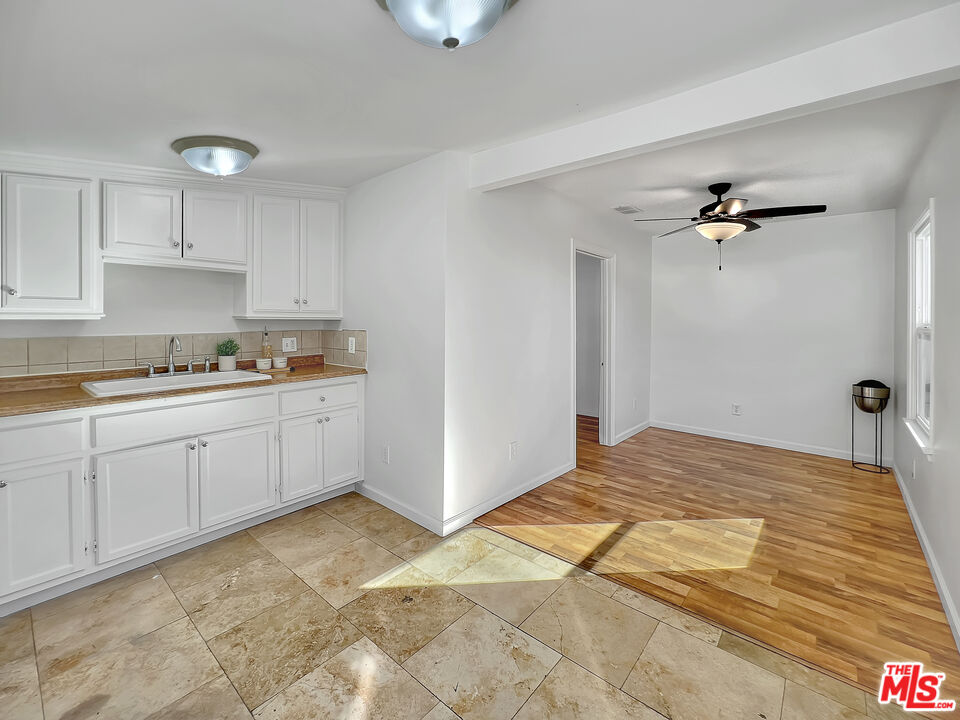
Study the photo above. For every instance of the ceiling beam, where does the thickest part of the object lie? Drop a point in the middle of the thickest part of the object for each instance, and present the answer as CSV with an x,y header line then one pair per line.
x,y
916,52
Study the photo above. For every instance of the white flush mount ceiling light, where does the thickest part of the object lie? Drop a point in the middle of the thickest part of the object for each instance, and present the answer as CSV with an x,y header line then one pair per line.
x,y
720,231
215,154
447,23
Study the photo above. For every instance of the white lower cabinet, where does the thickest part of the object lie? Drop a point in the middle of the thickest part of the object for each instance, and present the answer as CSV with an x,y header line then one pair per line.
x,y
319,451
237,475
146,497
41,524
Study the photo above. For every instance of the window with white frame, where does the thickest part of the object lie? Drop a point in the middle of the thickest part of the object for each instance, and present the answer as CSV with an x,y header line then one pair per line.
x,y
921,326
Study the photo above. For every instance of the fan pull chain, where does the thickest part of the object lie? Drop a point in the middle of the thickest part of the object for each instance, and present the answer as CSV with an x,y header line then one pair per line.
x,y
720,256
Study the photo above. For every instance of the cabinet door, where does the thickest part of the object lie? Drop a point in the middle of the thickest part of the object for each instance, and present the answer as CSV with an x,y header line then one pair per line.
x,y
276,254
215,227
237,474
301,457
320,257
41,524
146,497
47,250
142,221
341,446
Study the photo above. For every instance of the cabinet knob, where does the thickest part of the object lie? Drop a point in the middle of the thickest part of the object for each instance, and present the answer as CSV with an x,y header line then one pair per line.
x,y
296,301
189,246
320,420
12,291
203,443
305,301
192,446
323,399
326,419
176,243
2,484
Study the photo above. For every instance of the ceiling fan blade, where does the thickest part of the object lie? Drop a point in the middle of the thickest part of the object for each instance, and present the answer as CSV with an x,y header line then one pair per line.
x,y
783,211
673,232
662,219
707,209
748,225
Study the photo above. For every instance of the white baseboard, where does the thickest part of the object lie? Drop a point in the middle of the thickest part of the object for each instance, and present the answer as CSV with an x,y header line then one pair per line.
x,y
468,516
949,607
768,442
432,524
627,434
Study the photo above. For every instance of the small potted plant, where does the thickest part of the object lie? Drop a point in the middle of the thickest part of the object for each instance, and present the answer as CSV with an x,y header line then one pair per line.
x,y
227,355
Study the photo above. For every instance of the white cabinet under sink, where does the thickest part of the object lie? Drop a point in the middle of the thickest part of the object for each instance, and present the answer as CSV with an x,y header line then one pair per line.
x,y
169,225
296,266
44,218
146,497
237,474
41,524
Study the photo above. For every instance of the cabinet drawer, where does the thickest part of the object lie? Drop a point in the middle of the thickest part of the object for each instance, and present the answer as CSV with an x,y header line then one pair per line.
x,y
148,426
28,442
312,399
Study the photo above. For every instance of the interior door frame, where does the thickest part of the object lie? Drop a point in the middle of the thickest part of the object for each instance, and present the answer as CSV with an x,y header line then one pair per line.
x,y
608,295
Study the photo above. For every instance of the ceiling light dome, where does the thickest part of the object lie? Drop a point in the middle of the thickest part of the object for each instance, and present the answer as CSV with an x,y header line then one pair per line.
x,y
720,230
215,154
447,23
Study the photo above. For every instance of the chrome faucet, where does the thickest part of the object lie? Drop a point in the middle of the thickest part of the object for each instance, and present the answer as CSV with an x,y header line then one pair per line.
x,y
171,366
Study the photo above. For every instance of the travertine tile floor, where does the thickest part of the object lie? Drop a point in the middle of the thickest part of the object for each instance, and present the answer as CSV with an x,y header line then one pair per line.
x,y
348,610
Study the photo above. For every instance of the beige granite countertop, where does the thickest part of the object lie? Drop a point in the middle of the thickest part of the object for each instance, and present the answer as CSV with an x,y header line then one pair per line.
x,y
47,393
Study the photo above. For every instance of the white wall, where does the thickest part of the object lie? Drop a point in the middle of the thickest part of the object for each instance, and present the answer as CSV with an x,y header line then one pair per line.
x,y
394,288
801,310
588,335
509,342
146,300
934,494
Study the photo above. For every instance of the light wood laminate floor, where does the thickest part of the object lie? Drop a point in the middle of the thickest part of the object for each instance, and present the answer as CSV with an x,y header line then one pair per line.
x,y
798,551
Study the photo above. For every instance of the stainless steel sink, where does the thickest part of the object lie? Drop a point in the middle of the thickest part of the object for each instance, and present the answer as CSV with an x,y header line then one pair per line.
x,y
142,385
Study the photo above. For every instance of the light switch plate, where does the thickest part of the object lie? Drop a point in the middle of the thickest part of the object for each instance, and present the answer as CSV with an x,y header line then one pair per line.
x,y
351,345
289,344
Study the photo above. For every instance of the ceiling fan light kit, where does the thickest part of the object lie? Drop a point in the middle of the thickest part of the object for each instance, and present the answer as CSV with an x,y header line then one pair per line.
x,y
446,23
725,219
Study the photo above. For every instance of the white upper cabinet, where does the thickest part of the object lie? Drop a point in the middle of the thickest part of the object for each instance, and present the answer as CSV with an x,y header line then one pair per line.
x,y
172,226
215,227
320,257
296,265
275,275
48,258
142,221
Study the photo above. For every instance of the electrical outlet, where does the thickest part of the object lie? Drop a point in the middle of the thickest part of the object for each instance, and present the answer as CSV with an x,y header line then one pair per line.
x,y
289,344
736,409
514,450
913,474
385,454
351,345
636,403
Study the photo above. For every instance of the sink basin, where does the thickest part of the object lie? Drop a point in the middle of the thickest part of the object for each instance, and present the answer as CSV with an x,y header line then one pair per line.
x,y
141,385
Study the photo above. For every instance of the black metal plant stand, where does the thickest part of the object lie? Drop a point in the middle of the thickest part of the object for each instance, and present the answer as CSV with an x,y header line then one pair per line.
x,y
870,396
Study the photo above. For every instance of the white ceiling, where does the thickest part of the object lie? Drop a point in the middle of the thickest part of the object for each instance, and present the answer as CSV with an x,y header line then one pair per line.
x,y
852,159
334,93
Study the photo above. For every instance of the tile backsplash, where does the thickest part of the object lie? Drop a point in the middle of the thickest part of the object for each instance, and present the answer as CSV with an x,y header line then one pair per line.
x,y
32,356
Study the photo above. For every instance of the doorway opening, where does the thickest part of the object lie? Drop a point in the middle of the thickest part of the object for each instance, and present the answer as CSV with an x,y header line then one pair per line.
x,y
594,277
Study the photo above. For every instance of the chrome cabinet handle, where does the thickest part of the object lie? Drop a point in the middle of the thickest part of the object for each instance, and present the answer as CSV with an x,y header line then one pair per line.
x,y
189,246
176,243
305,301
326,419
323,399
2,484
12,291
192,446
203,443
320,420
296,301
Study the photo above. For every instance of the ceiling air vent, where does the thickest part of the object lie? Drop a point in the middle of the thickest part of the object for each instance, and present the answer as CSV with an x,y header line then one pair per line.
x,y
627,209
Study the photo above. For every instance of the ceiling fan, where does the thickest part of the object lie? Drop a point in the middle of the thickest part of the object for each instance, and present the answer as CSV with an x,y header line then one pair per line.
x,y
725,219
